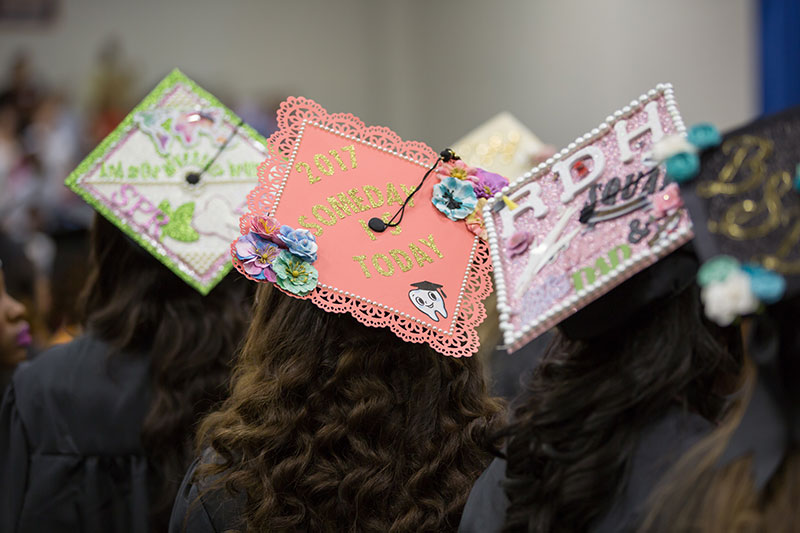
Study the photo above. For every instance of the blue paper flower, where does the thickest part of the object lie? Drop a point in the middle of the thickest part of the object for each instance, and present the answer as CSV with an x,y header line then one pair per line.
x,y
295,275
455,198
704,136
300,242
683,167
767,286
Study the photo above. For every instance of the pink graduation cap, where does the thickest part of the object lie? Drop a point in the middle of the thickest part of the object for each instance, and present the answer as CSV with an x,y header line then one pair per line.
x,y
587,219
310,229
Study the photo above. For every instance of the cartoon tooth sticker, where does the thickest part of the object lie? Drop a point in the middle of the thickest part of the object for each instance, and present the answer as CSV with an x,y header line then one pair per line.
x,y
429,298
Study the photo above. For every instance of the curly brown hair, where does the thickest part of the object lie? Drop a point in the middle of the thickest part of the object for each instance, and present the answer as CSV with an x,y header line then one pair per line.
x,y
335,426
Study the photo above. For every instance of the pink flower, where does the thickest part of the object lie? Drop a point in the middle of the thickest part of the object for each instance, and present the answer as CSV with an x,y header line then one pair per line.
x,y
474,221
666,200
267,227
519,242
457,169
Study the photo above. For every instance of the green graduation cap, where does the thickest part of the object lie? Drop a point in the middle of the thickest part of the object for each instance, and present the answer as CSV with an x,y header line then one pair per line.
x,y
174,176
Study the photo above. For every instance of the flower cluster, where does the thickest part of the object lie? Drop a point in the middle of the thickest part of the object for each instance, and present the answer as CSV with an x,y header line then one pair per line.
x,y
462,192
279,254
680,154
730,290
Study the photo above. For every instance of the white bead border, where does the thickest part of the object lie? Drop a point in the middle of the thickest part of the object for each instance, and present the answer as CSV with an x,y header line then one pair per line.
x,y
603,284
349,294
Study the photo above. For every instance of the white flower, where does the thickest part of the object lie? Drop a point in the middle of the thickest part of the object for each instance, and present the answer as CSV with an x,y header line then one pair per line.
x,y
724,301
671,145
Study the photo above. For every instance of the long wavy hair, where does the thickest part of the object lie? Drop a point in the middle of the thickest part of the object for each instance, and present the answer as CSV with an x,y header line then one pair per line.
x,y
136,305
703,494
573,437
336,426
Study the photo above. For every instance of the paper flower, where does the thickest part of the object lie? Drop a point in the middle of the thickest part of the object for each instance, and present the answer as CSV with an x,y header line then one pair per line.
x,y
667,200
671,145
683,167
488,183
766,285
455,168
726,300
474,220
717,269
455,198
257,256
295,275
300,242
266,227
704,136
518,243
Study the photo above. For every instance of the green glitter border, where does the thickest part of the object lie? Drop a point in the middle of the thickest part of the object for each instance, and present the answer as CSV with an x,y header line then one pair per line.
x,y
173,78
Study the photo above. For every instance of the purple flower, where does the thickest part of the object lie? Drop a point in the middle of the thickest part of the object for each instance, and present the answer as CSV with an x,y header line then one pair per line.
x,y
488,183
257,254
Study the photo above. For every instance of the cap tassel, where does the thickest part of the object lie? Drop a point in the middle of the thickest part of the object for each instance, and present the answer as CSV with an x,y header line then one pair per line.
x,y
509,203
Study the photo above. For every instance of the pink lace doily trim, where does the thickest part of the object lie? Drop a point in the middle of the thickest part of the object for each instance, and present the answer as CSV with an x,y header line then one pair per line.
x,y
292,114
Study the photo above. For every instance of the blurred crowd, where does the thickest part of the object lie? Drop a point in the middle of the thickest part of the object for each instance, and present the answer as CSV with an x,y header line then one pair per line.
x,y
44,134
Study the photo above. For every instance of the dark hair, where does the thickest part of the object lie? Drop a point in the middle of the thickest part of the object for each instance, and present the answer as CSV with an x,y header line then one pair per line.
x,y
706,491
137,305
572,440
336,426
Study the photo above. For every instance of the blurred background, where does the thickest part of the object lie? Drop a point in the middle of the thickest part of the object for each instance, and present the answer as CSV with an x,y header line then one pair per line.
x,y
432,70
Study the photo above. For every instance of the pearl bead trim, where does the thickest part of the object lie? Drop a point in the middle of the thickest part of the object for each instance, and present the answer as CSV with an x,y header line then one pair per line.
x,y
349,294
604,283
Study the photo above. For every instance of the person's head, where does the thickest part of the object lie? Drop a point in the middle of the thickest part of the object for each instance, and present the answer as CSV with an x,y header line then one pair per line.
x,y
336,426
745,475
574,435
137,305
15,335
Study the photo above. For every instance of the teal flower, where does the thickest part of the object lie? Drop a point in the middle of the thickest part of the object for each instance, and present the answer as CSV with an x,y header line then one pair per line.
x,y
455,198
704,136
767,286
797,178
683,167
294,275
717,269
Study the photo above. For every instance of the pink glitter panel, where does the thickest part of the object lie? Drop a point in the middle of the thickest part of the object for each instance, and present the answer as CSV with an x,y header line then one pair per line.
x,y
570,263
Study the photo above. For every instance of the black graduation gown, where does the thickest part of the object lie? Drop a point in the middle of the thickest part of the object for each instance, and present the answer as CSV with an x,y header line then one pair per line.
x,y
197,510
661,445
71,459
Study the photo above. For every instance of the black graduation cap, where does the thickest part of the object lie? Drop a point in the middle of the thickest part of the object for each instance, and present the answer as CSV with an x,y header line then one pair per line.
x,y
744,204
429,286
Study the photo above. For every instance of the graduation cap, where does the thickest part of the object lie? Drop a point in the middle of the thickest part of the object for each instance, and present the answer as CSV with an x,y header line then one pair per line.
x,y
359,200
174,177
589,218
745,201
745,205
428,286
502,144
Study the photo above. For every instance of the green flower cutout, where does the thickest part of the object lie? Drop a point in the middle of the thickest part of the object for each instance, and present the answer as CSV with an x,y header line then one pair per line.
x,y
717,269
179,224
294,275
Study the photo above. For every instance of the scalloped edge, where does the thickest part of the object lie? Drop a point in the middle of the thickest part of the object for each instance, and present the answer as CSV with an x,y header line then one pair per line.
x,y
293,115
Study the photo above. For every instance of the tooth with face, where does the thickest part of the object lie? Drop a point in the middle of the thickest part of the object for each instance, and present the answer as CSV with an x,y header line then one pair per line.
x,y
429,298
